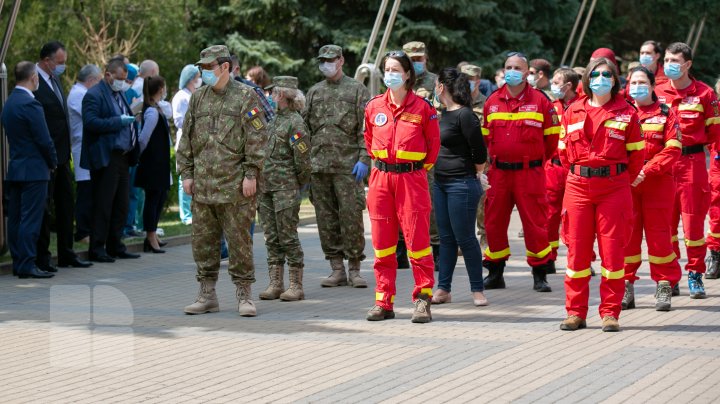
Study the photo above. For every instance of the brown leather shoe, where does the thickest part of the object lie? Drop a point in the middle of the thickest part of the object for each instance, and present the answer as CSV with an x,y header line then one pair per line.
x,y
377,313
610,324
573,323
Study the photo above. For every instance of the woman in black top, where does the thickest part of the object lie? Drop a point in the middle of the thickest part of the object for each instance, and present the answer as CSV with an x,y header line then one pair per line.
x,y
457,188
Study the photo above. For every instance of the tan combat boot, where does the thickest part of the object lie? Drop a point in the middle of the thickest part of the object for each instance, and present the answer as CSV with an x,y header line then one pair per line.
x,y
206,302
246,307
295,291
276,286
422,313
572,323
355,280
610,324
338,276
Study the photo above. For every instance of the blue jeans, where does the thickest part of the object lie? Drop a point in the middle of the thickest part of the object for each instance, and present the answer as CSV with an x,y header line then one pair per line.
x,y
456,202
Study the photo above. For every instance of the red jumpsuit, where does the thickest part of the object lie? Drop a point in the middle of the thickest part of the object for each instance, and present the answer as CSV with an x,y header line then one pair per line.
x,y
603,148
696,109
521,134
654,198
406,137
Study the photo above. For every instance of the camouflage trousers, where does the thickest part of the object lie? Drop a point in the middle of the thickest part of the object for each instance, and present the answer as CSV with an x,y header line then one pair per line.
x,y
339,203
280,214
434,235
210,221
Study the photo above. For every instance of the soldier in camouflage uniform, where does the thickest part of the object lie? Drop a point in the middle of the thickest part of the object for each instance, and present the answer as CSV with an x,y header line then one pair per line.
x,y
286,169
335,113
219,156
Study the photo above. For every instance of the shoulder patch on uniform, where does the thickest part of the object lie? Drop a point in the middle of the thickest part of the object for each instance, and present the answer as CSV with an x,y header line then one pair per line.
x,y
380,119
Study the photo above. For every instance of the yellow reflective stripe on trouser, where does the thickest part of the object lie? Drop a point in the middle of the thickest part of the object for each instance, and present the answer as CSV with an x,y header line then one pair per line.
x,y
695,243
662,260
419,254
633,259
485,131
381,154
427,291
635,146
612,274
385,251
616,125
379,297
712,121
653,127
428,166
553,130
555,244
674,239
673,143
499,254
516,116
541,254
714,235
410,155
578,274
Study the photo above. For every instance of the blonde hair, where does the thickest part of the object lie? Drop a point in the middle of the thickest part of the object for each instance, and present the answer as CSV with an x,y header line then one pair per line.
x,y
295,98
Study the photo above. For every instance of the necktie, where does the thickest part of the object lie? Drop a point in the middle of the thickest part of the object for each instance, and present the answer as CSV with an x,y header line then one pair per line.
x,y
56,90
124,111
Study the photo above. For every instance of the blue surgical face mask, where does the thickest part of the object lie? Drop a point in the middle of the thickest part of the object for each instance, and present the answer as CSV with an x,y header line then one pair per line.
x,y
646,60
600,85
472,86
272,102
59,69
672,71
419,67
639,92
393,80
209,77
513,77
557,91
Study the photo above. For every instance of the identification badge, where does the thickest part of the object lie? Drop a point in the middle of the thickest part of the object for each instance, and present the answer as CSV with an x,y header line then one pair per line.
x,y
380,119
529,108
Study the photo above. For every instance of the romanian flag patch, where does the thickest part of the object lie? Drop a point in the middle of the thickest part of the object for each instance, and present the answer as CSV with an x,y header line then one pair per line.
x,y
294,138
253,113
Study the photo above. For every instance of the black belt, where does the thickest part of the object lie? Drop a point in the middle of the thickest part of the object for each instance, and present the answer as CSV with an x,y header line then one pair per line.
x,y
605,171
696,148
556,162
517,166
398,168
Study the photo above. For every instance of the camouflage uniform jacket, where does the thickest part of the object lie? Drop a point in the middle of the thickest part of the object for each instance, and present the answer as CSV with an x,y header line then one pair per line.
x,y
223,140
477,106
335,113
287,161
425,86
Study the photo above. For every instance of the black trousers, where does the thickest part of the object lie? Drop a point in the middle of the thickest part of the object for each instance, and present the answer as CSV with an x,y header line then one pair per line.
x,y
26,206
83,209
60,197
110,188
154,204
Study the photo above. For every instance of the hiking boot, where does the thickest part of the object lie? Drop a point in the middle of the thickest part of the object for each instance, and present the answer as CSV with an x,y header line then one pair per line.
x,y
338,276
610,324
628,301
695,284
295,291
355,280
206,302
540,283
276,286
713,265
422,314
551,267
377,313
572,323
663,295
676,289
495,279
246,307
401,255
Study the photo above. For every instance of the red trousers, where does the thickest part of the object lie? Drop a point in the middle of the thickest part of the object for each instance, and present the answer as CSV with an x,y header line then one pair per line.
x,y
692,200
713,238
653,202
526,189
555,177
593,207
400,200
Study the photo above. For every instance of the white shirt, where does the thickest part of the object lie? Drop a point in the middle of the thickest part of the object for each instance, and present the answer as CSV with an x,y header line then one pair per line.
x,y
137,85
27,90
74,101
180,104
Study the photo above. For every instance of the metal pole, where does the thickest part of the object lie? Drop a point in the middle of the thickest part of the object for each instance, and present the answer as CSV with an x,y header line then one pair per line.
x,y
373,34
699,33
582,33
691,33
9,30
388,30
573,32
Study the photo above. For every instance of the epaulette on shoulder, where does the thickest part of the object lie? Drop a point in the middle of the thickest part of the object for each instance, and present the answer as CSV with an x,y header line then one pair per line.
x,y
664,109
368,101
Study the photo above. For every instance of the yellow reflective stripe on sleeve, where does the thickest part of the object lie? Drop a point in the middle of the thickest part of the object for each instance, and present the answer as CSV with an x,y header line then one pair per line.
x,y
585,273
691,107
554,130
555,244
381,154
428,166
695,243
379,297
485,131
674,239
714,235
612,274
653,127
427,291
633,259
576,126
499,254
673,143
385,251
515,116
419,254
541,254
616,125
409,155
635,146
662,260
712,121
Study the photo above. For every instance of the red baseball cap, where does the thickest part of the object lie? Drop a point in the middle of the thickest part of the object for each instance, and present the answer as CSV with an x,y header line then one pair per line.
x,y
606,53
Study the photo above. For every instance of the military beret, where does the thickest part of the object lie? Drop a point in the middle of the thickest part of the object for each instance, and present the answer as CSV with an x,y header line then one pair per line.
x,y
471,70
414,48
211,54
329,52
283,81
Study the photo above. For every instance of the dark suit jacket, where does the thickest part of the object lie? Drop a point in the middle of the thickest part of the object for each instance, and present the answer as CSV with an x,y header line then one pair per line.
x,y
56,117
32,153
101,126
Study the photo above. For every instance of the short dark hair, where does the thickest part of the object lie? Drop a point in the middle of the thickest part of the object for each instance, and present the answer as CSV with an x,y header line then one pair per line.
x,y
114,64
657,48
24,71
457,84
680,47
650,75
569,76
222,60
594,64
402,58
151,86
541,65
49,49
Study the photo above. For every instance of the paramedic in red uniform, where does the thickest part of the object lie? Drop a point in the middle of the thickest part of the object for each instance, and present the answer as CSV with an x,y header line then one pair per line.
x,y
696,108
403,137
521,132
651,57
653,193
602,146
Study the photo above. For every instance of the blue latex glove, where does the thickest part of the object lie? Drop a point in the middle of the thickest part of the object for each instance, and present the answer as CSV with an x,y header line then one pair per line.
x,y
360,171
127,119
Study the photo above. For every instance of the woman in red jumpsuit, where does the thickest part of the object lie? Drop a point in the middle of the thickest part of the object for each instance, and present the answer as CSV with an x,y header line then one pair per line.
x,y
403,138
602,146
653,193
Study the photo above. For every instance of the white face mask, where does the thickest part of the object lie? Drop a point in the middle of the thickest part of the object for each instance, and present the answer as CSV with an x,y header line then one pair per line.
x,y
532,79
119,85
197,83
328,69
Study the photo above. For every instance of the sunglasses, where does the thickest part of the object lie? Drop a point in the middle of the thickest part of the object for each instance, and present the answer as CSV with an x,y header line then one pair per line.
x,y
605,74
396,53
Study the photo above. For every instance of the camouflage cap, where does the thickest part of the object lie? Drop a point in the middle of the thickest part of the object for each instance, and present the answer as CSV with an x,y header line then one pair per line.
x,y
414,48
209,55
471,70
329,52
283,81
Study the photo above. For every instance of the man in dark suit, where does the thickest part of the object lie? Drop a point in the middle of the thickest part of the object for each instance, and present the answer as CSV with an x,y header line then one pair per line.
x,y
109,148
60,191
32,158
